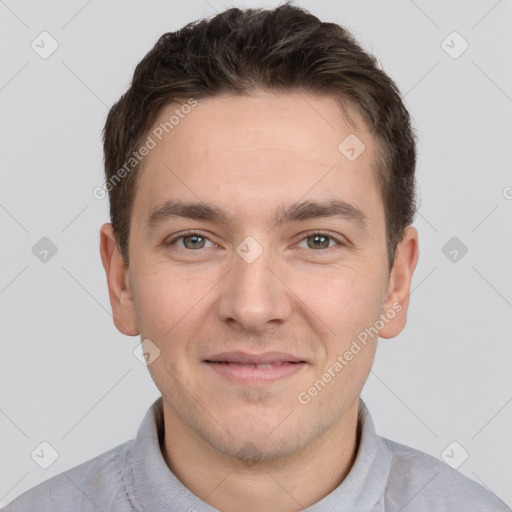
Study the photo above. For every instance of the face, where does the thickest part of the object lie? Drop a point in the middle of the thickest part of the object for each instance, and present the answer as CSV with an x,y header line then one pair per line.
x,y
254,273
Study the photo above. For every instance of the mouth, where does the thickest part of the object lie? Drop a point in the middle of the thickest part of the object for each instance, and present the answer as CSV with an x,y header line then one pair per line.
x,y
255,365
255,369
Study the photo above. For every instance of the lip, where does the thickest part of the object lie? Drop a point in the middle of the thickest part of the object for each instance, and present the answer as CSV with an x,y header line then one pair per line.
x,y
241,367
246,358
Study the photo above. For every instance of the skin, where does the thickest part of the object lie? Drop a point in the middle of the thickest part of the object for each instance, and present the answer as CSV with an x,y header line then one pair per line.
x,y
248,155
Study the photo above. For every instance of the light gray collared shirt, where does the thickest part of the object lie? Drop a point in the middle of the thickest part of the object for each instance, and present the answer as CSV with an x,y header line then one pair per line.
x,y
386,477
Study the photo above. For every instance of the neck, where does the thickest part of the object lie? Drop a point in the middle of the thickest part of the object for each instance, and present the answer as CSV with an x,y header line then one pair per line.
x,y
283,485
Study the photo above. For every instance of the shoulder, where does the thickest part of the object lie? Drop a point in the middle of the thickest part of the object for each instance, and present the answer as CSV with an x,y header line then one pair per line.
x,y
99,480
418,481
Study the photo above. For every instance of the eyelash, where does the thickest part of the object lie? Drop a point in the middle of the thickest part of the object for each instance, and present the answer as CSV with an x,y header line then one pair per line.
x,y
306,235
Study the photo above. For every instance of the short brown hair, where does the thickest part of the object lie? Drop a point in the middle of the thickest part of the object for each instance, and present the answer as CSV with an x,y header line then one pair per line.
x,y
283,49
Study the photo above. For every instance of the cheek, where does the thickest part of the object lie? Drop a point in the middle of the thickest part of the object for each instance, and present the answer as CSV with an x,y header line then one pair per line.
x,y
169,301
349,307
157,304
344,299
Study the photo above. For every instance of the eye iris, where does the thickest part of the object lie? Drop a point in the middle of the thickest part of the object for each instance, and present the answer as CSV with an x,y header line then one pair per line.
x,y
194,238
323,245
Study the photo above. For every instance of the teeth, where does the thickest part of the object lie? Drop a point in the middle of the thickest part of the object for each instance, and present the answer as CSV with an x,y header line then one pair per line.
x,y
264,365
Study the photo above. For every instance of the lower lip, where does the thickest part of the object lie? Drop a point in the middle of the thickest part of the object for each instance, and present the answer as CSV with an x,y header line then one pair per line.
x,y
250,375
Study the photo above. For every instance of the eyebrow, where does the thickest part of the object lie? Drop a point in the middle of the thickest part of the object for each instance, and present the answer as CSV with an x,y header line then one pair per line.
x,y
296,212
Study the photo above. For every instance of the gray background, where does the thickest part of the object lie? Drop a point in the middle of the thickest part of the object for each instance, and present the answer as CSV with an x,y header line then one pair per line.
x,y
69,378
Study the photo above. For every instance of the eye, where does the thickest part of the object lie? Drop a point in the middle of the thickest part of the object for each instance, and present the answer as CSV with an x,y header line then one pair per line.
x,y
320,240
191,240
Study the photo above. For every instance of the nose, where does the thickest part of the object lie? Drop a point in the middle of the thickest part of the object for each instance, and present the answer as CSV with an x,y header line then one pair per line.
x,y
254,296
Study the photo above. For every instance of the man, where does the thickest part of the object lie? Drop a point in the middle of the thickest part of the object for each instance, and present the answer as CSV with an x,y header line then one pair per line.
x,y
260,171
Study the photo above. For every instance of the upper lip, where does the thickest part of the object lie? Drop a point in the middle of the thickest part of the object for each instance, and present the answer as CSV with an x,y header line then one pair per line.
x,y
244,357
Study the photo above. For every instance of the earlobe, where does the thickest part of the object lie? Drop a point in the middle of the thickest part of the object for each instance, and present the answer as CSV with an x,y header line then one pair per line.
x,y
399,288
123,310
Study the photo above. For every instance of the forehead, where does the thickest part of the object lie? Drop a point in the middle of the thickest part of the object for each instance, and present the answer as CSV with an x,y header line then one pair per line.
x,y
261,148
293,120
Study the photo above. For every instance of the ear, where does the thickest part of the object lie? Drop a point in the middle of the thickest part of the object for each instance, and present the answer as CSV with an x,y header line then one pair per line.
x,y
399,287
121,300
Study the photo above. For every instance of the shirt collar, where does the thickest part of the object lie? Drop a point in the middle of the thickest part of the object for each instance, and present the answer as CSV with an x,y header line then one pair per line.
x,y
155,487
